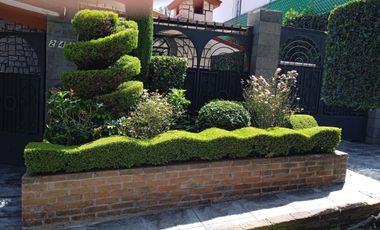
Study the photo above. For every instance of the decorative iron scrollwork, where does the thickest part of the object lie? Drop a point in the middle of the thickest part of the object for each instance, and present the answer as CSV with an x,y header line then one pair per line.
x,y
301,50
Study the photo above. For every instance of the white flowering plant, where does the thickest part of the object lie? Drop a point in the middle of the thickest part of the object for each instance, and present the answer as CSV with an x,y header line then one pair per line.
x,y
271,101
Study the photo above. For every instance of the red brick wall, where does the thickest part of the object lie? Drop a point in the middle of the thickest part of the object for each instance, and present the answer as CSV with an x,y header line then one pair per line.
x,y
83,197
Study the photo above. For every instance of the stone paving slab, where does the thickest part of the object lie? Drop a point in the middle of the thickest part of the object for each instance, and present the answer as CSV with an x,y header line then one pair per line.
x,y
10,197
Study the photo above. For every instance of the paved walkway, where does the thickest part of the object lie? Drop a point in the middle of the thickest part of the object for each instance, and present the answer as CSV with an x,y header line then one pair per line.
x,y
10,197
257,212
241,214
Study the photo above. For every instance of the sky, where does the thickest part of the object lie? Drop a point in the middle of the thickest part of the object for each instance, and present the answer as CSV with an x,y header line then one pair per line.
x,y
225,11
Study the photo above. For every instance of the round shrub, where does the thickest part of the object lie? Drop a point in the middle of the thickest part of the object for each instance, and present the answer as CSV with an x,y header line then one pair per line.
x,y
122,100
351,70
302,121
167,72
92,24
223,114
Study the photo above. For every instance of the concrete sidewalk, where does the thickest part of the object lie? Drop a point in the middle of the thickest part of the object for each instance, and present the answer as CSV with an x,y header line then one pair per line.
x,y
258,212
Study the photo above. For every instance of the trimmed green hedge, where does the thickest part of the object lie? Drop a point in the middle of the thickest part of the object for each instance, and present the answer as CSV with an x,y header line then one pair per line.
x,y
173,146
91,83
302,121
102,52
351,70
167,72
124,98
92,24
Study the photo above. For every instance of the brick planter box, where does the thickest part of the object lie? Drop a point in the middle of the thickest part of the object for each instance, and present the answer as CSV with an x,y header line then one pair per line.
x,y
78,198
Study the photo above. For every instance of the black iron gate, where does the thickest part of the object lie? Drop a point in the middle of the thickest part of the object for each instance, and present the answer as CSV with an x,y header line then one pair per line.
x,y
303,50
218,57
204,85
22,92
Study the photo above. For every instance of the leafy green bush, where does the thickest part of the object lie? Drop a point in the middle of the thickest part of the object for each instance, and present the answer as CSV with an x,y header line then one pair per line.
x,y
223,114
123,99
271,102
145,46
91,83
153,115
93,24
72,121
174,146
177,98
351,70
301,121
306,20
102,52
167,72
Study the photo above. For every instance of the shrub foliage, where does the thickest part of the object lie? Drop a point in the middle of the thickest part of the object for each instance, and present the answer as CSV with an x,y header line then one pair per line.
x,y
91,83
93,24
223,114
167,72
306,20
271,102
122,100
351,70
173,146
153,115
71,120
302,121
145,46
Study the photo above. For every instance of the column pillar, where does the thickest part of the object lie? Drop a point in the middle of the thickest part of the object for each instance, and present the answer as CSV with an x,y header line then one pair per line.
x,y
266,41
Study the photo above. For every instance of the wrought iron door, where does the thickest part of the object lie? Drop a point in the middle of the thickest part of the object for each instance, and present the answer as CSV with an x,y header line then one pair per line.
x,y
22,92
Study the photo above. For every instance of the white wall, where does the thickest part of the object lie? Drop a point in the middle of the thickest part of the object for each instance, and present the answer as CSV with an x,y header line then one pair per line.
x,y
225,11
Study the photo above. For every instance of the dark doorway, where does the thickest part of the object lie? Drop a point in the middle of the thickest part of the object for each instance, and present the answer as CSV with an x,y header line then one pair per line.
x,y
22,92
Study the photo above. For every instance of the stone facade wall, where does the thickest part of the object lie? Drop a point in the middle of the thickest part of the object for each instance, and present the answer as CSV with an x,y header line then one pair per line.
x,y
266,41
58,34
68,199
186,11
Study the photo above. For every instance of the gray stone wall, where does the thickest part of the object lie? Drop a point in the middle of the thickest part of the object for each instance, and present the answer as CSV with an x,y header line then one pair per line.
x,y
373,127
266,41
58,34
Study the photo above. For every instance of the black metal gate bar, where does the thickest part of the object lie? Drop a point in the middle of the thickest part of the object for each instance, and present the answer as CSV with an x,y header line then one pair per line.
x,y
303,50
22,92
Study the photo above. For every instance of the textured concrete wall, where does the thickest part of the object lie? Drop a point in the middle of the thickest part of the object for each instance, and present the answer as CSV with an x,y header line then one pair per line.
x,y
70,199
373,127
58,33
266,41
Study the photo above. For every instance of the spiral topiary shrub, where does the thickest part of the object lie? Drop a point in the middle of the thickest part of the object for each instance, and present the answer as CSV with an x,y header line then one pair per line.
x,y
102,60
223,114
122,100
90,83
92,24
